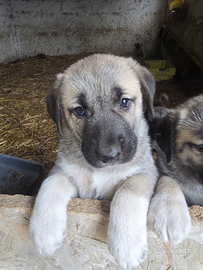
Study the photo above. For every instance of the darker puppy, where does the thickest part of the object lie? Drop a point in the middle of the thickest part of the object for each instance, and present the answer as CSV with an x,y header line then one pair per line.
x,y
178,140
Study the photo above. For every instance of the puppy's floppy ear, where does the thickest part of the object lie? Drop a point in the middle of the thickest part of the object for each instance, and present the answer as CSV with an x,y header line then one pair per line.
x,y
54,106
162,130
148,88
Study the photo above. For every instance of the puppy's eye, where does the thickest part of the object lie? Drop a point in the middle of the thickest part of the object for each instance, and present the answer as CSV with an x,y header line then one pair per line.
x,y
79,111
200,147
124,103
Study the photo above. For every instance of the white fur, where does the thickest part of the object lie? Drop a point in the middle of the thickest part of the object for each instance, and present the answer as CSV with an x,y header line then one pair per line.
x,y
99,183
127,232
48,221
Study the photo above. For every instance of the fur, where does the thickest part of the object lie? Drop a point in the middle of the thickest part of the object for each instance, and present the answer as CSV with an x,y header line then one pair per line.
x,y
99,104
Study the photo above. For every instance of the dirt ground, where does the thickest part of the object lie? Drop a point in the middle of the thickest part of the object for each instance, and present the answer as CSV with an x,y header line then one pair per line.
x,y
26,130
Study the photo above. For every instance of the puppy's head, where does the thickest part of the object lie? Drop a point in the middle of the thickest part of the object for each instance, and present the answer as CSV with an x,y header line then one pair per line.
x,y
99,101
189,138
181,131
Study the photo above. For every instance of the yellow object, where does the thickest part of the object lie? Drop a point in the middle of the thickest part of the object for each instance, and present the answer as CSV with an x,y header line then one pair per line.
x,y
176,4
161,69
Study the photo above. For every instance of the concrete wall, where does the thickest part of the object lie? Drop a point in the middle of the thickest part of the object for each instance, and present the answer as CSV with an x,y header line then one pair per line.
x,y
52,27
186,25
85,247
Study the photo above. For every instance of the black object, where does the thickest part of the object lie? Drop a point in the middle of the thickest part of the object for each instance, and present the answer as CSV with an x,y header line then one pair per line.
x,y
20,176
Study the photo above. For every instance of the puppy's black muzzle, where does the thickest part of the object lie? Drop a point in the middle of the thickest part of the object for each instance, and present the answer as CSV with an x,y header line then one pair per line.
x,y
107,141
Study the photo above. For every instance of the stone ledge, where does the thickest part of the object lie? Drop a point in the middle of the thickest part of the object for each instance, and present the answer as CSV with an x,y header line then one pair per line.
x,y
85,246
88,206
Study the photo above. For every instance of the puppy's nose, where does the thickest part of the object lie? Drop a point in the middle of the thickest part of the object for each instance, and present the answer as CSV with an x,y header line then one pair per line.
x,y
112,154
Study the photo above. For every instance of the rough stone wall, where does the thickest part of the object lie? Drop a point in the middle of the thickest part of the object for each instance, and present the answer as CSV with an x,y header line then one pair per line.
x,y
85,247
53,27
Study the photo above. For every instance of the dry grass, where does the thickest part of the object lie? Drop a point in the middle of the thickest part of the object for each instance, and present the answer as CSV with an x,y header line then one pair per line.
x,y
26,130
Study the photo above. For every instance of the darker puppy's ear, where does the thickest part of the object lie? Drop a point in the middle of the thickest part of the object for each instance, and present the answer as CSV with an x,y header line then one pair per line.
x,y
148,87
54,105
162,130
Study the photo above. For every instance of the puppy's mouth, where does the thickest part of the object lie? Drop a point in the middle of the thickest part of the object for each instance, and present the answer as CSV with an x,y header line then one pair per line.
x,y
112,155
109,159
98,159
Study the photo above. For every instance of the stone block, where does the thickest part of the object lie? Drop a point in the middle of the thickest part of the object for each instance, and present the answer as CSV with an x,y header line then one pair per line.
x,y
85,245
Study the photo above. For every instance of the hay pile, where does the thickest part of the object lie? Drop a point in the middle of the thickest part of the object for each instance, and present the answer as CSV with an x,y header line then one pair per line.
x,y
26,130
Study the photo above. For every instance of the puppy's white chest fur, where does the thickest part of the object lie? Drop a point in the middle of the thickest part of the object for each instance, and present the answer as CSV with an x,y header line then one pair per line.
x,y
97,183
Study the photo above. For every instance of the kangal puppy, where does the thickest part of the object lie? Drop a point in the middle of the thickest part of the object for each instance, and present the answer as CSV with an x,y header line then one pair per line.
x,y
99,105
178,140
104,153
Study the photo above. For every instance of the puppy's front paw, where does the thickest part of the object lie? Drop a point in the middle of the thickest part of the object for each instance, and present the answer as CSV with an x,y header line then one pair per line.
x,y
128,248
127,232
169,218
47,232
